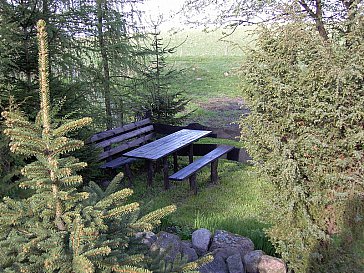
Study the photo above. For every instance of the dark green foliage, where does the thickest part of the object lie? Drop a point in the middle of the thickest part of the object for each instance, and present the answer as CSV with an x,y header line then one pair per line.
x,y
59,228
154,91
305,133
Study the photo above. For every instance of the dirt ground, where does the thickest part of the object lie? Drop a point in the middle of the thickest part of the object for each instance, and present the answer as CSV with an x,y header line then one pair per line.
x,y
224,114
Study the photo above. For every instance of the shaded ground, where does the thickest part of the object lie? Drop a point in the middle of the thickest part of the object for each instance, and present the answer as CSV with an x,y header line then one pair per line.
x,y
222,113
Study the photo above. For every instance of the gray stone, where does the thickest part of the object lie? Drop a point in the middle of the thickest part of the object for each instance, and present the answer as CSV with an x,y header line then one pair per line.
x,y
218,265
235,264
251,261
225,252
187,243
201,240
268,264
188,251
147,238
167,242
225,239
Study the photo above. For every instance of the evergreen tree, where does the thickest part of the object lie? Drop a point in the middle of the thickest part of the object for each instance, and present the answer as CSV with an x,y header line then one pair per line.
x,y
59,228
154,90
111,28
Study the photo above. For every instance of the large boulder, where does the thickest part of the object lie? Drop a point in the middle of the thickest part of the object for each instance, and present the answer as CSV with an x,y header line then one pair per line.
x,y
268,264
201,240
235,265
251,261
225,239
169,243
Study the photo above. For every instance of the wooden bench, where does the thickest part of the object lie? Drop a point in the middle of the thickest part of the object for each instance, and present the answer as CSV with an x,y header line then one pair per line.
x,y
190,170
119,140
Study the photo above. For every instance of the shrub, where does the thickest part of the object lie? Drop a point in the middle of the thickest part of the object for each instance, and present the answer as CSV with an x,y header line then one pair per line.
x,y
305,133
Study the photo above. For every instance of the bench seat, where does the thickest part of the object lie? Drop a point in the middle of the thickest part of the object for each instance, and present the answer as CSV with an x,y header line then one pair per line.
x,y
118,162
190,170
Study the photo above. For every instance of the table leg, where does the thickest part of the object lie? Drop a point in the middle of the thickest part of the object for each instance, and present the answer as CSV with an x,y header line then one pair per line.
x,y
175,162
150,173
214,175
193,184
165,173
190,153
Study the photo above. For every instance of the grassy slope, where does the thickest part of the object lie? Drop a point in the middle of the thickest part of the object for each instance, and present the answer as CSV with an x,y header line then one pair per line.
x,y
209,70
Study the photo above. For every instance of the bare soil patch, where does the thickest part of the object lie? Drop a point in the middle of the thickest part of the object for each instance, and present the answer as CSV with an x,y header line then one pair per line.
x,y
223,113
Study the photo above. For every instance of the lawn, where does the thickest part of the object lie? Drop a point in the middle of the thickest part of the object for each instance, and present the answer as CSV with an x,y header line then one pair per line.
x,y
236,204
208,74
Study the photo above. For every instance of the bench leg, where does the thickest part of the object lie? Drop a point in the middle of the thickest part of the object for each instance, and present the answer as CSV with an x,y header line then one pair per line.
x,y
214,176
165,173
193,184
150,173
190,153
175,162
128,174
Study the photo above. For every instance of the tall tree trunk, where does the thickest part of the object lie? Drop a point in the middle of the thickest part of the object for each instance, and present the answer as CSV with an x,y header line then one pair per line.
x,y
104,62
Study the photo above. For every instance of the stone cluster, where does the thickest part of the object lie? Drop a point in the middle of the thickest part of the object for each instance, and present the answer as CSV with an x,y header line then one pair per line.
x,y
232,253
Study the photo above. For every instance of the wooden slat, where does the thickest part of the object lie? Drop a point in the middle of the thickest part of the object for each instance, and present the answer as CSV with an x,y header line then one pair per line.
x,y
125,136
167,145
118,162
128,127
200,163
126,146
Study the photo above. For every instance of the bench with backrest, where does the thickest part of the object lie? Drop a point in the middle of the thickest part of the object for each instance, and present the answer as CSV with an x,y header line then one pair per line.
x,y
190,170
119,140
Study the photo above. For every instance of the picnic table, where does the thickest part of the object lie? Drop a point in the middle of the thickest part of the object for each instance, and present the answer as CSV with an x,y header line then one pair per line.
x,y
165,146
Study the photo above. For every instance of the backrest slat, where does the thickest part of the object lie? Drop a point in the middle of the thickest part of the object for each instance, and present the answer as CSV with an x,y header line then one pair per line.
x,y
126,146
113,132
125,136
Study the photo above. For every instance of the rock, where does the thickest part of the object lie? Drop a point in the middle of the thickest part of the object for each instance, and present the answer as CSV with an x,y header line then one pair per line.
x,y
269,264
187,250
225,252
225,239
218,265
201,240
167,242
251,261
147,238
234,263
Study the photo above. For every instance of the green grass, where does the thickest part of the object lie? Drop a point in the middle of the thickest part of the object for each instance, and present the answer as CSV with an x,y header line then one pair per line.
x,y
236,204
195,42
209,77
210,140
208,73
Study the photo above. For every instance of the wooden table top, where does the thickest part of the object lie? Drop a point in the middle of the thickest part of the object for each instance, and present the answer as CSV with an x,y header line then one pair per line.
x,y
167,145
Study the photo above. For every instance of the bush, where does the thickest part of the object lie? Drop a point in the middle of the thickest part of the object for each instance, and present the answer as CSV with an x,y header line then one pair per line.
x,y
305,133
